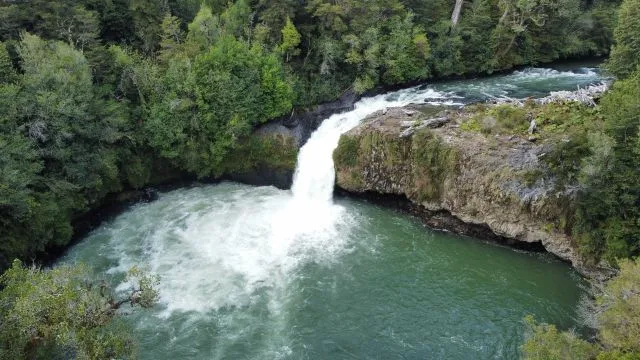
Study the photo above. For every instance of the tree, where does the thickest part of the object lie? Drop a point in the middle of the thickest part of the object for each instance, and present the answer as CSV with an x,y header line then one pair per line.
x,y
171,38
205,28
80,28
406,53
205,106
545,342
63,312
237,20
290,40
7,72
625,55
147,19
274,14
51,115
116,22
237,87
64,118
620,321
617,318
606,220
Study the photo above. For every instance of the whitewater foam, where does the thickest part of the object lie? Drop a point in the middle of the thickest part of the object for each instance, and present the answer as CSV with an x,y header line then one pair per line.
x,y
547,73
218,255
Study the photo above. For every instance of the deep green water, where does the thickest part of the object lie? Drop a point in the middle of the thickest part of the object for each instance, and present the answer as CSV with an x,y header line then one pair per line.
x,y
260,273
378,285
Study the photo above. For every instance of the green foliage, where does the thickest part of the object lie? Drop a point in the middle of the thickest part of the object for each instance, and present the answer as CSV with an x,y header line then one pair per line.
x,y
290,40
205,29
617,312
171,38
620,322
52,116
625,54
545,342
7,72
275,152
566,117
608,209
510,118
503,119
50,313
472,125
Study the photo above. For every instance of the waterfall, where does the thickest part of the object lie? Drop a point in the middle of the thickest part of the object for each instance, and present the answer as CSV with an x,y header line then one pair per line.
x,y
216,247
315,174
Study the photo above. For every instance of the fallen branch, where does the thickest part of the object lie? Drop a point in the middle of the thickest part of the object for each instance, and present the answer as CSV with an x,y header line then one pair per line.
x,y
586,96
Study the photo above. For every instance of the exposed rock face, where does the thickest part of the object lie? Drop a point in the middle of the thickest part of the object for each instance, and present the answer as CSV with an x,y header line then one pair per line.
x,y
264,159
485,180
276,162
301,125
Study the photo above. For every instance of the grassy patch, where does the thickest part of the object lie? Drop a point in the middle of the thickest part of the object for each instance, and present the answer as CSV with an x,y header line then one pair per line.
x,y
530,177
472,125
510,118
500,119
562,117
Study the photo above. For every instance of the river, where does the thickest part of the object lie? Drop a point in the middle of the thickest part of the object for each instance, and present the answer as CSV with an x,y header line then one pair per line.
x,y
260,273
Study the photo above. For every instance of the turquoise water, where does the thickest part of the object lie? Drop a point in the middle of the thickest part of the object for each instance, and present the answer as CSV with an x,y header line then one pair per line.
x,y
261,273
385,287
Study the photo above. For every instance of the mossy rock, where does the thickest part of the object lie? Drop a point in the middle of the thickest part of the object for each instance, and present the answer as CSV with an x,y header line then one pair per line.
x,y
433,163
272,151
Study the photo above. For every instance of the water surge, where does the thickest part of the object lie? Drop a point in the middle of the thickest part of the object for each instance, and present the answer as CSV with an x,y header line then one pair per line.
x,y
261,273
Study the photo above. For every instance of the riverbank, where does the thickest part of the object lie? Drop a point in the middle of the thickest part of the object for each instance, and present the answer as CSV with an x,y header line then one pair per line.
x,y
268,272
466,172
269,157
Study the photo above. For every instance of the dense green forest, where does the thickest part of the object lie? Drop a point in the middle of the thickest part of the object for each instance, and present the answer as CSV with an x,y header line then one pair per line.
x,y
101,96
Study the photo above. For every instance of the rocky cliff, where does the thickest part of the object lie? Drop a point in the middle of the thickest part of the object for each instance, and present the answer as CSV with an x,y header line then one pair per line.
x,y
268,156
477,180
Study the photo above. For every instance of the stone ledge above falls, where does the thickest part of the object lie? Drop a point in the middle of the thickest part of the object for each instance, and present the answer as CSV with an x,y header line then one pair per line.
x,y
423,154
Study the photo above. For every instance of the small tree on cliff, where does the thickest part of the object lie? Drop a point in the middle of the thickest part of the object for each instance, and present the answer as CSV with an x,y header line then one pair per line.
x,y
617,318
60,313
290,40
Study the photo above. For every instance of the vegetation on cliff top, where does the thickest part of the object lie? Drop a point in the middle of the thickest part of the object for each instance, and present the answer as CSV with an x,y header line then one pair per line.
x,y
615,315
595,148
377,156
63,313
99,96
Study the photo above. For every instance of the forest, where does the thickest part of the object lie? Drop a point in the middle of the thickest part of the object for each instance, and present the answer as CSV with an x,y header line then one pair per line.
x,y
102,96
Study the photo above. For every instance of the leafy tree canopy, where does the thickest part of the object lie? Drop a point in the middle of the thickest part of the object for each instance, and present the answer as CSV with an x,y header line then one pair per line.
x,y
62,313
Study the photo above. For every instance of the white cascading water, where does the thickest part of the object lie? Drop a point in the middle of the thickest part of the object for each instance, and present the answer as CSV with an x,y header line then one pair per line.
x,y
315,174
233,259
212,255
